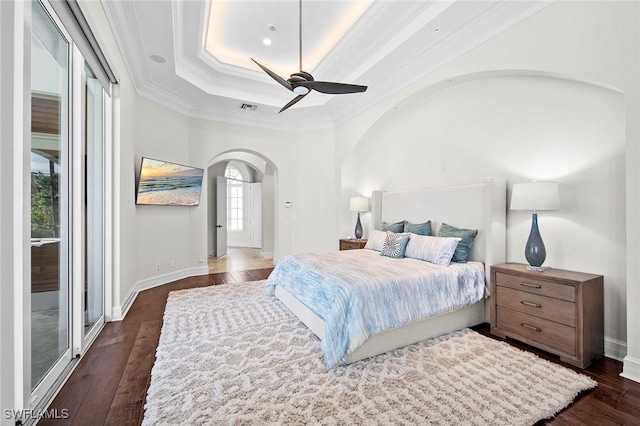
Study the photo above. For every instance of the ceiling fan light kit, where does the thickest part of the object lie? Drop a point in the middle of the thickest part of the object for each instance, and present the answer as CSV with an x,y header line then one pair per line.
x,y
301,83
300,90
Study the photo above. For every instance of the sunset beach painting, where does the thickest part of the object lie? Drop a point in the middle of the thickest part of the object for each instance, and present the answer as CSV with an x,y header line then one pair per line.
x,y
168,184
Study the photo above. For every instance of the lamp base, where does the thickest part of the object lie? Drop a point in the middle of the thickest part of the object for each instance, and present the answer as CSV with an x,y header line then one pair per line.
x,y
358,230
536,268
534,250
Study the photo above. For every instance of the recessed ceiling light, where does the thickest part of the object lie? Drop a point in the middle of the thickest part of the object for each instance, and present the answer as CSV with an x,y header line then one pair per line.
x,y
266,42
159,59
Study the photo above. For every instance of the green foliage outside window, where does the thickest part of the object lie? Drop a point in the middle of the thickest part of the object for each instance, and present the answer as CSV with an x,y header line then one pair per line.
x,y
43,205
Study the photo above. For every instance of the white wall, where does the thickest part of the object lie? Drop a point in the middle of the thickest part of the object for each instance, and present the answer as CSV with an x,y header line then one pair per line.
x,y
268,212
521,128
145,235
480,116
162,232
594,42
304,166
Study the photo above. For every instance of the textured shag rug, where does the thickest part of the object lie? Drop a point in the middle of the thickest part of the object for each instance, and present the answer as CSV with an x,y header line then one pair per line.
x,y
232,355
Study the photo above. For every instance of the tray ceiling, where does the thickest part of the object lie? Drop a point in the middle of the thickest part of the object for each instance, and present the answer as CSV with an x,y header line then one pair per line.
x,y
174,60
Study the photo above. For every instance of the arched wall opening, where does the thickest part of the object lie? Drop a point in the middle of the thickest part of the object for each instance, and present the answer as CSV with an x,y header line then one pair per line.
x,y
523,126
259,170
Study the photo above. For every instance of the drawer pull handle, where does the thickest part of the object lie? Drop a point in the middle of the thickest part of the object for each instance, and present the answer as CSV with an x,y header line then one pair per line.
x,y
530,327
530,285
533,305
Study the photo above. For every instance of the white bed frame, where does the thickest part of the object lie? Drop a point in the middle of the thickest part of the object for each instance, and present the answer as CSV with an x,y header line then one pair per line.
x,y
479,206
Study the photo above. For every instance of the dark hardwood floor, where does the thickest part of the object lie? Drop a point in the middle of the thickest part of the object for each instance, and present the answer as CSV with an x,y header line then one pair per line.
x,y
109,385
616,400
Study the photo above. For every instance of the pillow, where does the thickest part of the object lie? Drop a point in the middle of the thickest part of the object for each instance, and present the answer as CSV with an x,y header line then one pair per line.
x,y
394,245
397,227
376,240
438,250
418,228
464,246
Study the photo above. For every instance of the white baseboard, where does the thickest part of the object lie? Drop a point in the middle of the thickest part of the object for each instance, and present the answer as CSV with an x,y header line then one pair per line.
x,y
116,314
119,312
631,369
237,243
266,254
614,348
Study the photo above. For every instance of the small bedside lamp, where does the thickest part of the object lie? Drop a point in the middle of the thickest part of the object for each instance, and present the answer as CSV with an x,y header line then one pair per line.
x,y
535,196
358,204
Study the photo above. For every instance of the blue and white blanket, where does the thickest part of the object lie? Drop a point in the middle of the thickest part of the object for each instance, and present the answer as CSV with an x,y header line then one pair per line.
x,y
359,293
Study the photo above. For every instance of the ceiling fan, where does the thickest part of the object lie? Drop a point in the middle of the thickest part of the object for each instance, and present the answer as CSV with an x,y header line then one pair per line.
x,y
301,83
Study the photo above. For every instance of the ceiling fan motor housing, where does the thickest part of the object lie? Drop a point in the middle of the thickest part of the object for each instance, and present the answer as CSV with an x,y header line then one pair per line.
x,y
297,78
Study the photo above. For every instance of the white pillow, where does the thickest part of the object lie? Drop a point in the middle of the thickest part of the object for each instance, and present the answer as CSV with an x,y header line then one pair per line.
x,y
438,250
376,240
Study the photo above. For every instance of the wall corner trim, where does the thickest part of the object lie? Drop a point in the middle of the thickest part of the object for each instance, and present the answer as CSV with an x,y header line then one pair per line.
x,y
631,368
615,349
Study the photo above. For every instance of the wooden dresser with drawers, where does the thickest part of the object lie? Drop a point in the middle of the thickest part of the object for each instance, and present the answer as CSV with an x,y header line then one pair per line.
x,y
558,311
352,244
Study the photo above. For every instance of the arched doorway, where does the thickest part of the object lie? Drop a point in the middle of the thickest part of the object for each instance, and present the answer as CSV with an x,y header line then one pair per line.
x,y
240,211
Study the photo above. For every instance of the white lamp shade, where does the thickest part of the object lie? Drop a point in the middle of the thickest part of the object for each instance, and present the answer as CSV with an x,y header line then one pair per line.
x,y
535,196
359,204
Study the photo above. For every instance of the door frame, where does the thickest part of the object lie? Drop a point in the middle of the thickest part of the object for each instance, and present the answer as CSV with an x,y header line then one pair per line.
x,y
78,341
221,217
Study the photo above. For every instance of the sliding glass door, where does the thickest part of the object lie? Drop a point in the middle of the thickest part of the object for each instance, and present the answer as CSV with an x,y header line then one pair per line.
x,y
50,198
93,216
67,203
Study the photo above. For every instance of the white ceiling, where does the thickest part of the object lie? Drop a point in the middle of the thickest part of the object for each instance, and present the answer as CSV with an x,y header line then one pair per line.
x,y
391,45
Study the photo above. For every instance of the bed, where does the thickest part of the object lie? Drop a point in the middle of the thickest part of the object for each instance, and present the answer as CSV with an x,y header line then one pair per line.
x,y
480,206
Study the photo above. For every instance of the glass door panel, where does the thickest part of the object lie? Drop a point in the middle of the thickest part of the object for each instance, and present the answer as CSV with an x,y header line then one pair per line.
x,y
50,319
93,113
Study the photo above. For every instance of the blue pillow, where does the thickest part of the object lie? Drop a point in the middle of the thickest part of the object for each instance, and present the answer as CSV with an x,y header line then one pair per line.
x,y
463,250
418,228
392,227
394,245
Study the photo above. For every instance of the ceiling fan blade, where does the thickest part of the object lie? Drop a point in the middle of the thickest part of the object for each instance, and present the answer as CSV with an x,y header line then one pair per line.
x,y
275,76
332,88
292,102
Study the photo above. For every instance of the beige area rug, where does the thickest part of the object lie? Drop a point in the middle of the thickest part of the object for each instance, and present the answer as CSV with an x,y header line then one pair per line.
x,y
230,355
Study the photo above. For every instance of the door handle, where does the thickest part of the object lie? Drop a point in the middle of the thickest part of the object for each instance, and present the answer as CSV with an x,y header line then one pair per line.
x,y
218,226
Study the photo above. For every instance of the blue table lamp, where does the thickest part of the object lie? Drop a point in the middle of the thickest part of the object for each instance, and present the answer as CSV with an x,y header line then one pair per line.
x,y
358,204
535,196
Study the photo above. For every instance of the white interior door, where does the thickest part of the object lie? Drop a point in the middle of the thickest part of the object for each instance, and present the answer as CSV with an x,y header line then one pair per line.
x,y
221,216
255,215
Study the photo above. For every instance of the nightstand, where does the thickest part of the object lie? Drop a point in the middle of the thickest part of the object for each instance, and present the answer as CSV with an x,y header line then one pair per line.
x,y
558,311
351,244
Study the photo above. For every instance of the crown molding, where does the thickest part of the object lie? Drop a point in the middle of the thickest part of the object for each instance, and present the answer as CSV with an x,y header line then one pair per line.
x,y
123,21
412,71
391,59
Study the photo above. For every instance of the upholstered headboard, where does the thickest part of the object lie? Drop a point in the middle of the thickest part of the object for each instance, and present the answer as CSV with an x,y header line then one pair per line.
x,y
480,206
